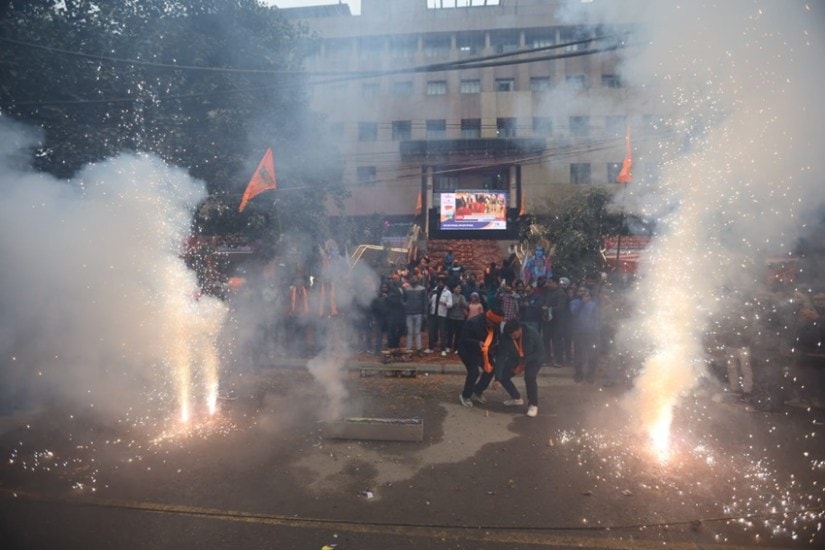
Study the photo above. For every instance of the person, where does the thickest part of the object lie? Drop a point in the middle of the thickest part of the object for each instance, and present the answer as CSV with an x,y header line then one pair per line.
x,y
475,307
530,306
441,299
508,298
476,349
396,315
737,336
521,349
455,318
558,326
415,306
381,316
585,329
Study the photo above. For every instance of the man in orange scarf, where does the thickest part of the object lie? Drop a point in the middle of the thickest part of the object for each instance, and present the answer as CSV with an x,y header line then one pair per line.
x,y
521,350
476,348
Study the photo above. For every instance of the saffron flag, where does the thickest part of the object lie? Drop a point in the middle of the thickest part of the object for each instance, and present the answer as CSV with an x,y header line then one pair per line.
x,y
626,173
262,180
419,205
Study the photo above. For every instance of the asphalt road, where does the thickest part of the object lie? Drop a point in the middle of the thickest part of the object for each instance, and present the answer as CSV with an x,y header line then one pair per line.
x,y
263,474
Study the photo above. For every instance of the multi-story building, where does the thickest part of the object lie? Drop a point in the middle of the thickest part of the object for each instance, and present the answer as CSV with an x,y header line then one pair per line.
x,y
430,97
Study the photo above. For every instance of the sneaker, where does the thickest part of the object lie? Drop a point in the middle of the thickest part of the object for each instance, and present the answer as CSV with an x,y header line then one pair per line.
x,y
464,401
532,410
428,350
478,398
513,402
443,354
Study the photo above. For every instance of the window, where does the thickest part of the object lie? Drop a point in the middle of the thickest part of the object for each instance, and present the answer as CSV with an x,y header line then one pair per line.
x,y
436,87
437,45
404,88
365,175
403,47
542,126
445,182
576,81
575,34
505,85
504,41
540,84
470,86
613,169
338,49
369,90
367,131
580,174
540,38
370,47
506,127
579,126
615,125
401,130
437,129
611,81
469,42
470,128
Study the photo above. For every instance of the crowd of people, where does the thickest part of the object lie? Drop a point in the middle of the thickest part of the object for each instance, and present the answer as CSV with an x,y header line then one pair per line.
x,y
495,323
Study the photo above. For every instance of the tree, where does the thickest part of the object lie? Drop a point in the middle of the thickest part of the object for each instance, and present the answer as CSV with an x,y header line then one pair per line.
x,y
575,229
205,85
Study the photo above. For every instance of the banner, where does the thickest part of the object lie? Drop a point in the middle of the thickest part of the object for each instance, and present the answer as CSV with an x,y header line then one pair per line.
x,y
262,180
625,174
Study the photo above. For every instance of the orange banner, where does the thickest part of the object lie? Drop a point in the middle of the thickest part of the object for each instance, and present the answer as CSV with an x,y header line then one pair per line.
x,y
262,180
625,174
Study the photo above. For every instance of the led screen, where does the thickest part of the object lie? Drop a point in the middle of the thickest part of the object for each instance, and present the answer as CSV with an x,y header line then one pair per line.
x,y
471,210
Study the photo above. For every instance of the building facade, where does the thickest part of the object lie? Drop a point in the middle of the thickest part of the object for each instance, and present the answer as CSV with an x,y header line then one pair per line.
x,y
428,98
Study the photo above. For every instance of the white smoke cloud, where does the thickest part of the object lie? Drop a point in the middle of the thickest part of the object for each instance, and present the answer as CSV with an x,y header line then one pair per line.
x,y
736,84
97,307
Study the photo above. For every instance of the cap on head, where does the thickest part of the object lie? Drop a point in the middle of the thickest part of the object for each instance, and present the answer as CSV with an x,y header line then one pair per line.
x,y
564,282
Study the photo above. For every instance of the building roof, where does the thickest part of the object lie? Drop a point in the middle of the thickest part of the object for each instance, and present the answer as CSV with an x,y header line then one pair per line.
x,y
312,12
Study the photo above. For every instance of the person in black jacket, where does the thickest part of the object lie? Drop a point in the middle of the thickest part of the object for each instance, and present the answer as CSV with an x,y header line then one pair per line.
x,y
521,349
476,348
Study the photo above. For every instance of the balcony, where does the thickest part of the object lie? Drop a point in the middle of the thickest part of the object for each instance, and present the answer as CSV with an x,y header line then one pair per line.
x,y
482,147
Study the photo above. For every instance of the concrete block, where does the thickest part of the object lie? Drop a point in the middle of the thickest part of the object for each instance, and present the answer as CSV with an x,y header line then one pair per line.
x,y
376,429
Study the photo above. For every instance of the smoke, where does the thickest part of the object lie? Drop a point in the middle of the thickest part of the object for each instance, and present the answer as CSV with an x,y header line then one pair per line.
x,y
728,90
98,309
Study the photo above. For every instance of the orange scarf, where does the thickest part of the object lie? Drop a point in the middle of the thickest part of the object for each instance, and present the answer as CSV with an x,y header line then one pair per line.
x,y
485,350
304,306
333,308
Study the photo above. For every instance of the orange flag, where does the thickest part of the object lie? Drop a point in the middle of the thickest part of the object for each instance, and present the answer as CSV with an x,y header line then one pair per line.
x,y
522,210
626,174
262,180
419,205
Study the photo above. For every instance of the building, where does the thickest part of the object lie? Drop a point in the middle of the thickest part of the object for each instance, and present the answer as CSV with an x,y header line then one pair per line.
x,y
431,97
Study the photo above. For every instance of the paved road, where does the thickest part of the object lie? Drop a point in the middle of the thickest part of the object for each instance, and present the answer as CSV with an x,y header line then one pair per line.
x,y
262,474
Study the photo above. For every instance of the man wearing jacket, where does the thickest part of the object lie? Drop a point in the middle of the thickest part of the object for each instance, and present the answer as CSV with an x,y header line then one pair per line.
x,y
476,348
415,306
521,349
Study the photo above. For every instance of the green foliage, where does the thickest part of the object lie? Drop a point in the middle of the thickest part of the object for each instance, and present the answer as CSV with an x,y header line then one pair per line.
x,y
575,230
105,76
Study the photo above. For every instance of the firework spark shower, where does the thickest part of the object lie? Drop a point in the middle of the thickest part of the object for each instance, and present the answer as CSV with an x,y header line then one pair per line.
x,y
98,307
739,172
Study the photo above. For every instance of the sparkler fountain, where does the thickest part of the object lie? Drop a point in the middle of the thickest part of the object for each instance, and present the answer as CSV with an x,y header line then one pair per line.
x,y
102,313
732,190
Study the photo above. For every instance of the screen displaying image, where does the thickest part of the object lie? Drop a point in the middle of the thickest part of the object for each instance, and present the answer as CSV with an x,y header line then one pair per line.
x,y
468,210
